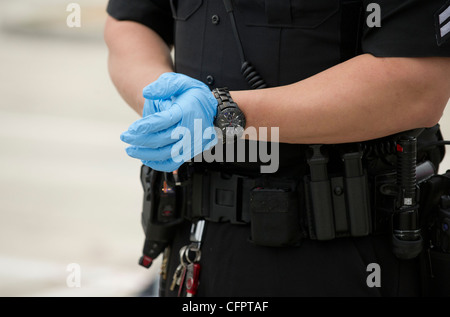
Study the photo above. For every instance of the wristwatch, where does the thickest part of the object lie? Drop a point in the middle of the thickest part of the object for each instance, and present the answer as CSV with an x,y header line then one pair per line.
x,y
229,119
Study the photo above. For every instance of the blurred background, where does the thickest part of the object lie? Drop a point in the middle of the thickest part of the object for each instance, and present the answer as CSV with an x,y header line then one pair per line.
x,y
68,192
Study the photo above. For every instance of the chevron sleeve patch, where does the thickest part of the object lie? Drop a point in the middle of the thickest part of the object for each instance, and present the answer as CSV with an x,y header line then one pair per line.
x,y
442,20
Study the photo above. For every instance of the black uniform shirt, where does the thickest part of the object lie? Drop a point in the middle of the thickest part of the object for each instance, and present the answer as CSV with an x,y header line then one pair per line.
x,y
288,40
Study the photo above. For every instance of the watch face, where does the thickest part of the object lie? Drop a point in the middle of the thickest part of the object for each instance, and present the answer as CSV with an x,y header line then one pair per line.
x,y
232,122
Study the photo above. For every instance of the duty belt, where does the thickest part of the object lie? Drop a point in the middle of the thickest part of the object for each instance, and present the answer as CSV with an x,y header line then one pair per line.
x,y
282,211
221,197
377,192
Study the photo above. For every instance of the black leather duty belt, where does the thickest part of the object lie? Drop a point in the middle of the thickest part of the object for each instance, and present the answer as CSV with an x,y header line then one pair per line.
x,y
220,197
280,211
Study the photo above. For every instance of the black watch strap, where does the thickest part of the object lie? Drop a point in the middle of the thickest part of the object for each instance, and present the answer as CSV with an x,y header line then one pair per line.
x,y
223,98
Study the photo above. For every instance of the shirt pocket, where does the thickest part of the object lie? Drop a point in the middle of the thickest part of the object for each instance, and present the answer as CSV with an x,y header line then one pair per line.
x,y
306,14
184,9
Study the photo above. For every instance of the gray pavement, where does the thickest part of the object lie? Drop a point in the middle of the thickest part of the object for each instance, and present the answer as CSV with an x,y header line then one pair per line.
x,y
68,192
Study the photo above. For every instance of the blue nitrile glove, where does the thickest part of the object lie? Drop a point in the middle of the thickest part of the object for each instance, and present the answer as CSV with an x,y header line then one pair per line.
x,y
169,134
152,106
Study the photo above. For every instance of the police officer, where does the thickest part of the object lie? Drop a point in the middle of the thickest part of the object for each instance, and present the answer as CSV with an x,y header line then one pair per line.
x,y
331,72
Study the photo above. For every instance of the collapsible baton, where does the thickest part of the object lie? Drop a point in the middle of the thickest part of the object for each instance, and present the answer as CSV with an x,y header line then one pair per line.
x,y
407,240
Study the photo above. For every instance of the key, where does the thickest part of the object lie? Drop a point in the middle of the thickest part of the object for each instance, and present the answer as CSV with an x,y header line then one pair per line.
x,y
163,271
180,270
176,276
180,280
192,278
189,276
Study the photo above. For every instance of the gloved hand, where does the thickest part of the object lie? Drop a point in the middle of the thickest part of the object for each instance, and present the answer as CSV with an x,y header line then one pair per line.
x,y
152,106
177,123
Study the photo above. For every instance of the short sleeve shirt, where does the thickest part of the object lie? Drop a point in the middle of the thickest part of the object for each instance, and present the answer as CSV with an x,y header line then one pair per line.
x,y
392,28
409,28
155,14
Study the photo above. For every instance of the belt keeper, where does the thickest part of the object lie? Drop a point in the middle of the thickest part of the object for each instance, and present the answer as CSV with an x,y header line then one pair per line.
x,y
225,203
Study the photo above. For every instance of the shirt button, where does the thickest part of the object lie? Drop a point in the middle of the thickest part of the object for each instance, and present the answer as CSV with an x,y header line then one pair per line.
x,y
215,19
209,80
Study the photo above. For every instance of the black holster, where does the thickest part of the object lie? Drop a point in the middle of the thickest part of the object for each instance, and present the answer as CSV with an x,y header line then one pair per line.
x,y
338,204
161,212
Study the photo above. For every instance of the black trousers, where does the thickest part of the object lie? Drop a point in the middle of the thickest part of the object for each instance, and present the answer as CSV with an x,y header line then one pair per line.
x,y
231,265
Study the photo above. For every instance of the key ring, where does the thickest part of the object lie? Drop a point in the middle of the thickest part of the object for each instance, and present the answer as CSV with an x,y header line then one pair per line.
x,y
183,254
192,248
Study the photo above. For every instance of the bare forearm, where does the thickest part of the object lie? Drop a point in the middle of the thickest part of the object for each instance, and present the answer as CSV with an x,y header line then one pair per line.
x,y
137,57
363,98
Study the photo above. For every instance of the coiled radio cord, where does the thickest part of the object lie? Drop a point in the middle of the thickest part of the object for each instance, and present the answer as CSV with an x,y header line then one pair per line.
x,y
249,72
